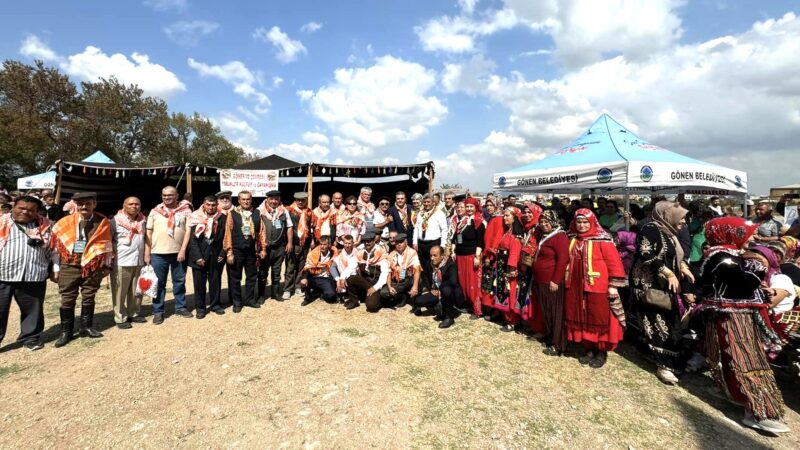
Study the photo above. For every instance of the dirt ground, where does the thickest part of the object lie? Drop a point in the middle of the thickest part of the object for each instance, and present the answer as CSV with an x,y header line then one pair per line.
x,y
321,377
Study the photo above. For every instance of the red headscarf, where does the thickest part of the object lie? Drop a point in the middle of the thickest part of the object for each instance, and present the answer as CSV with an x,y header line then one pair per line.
x,y
537,212
729,232
477,219
595,230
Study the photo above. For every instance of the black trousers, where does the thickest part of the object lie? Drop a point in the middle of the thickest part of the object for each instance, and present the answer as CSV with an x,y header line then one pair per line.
x,y
29,296
211,274
325,285
424,254
402,288
294,266
243,262
357,287
271,266
448,301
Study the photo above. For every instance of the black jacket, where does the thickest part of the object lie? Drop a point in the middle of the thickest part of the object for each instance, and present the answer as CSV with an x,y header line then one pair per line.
x,y
200,248
449,279
397,222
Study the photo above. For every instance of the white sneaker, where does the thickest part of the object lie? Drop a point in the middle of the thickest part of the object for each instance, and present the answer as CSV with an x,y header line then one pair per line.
x,y
298,291
768,425
666,376
286,295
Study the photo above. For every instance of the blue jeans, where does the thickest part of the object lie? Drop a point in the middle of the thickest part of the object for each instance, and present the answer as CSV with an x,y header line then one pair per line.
x,y
163,264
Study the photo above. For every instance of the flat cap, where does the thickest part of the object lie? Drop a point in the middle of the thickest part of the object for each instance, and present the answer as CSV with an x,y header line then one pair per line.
x,y
400,237
84,196
301,195
223,194
274,193
459,198
368,235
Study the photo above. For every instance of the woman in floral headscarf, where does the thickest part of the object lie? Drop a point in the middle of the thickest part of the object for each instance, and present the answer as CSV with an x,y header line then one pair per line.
x,y
593,310
526,306
503,267
737,323
549,265
467,236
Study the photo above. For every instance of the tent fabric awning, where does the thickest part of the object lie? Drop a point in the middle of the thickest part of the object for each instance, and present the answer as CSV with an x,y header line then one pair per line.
x,y
610,157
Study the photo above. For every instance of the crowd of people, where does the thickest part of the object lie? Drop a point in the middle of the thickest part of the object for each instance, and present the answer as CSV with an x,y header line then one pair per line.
x,y
694,285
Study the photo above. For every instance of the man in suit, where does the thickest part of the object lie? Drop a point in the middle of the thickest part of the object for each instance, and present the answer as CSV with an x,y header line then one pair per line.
x,y
206,256
401,216
442,290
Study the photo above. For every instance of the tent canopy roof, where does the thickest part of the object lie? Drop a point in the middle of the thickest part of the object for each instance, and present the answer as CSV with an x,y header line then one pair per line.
x,y
271,162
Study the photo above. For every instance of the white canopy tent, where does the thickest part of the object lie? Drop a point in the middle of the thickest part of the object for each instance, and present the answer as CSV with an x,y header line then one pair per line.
x,y
47,180
608,157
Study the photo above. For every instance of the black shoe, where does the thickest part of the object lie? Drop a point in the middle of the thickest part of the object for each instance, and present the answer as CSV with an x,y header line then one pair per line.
x,y
350,305
87,317
237,309
33,345
551,351
183,313
447,322
219,311
306,302
137,319
124,326
158,319
401,303
67,323
599,360
201,314
253,305
586,358
417,311
507,328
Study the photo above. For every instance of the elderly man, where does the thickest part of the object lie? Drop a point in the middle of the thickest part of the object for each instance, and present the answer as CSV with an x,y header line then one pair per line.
x,y
243,244
165,249
318,275
279,241
403,282
206,255
127,232
370,276
430,230
365,206
449,207
323,219
441,290
295,259
224,205
337,200
24,268
84,244
768,227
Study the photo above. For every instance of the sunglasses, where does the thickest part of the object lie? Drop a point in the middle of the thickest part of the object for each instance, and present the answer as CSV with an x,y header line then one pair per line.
x,y
352,203
384,203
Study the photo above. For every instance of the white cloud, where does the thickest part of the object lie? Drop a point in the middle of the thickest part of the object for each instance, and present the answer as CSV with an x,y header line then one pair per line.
x,y
236,74
458,34
312,137
369,108
236,130
729,100
166,5
469,77
33,47
189,33
305,94
294,151
247,113
287,49
467,6
311,27
277,81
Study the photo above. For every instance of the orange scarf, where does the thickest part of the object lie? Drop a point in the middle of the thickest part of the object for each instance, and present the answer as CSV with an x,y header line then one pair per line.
x,y
98,252
342,259
313,264
301,226
131,227
399,262
378,255
323,222
269,213
183,209
42,231
203,223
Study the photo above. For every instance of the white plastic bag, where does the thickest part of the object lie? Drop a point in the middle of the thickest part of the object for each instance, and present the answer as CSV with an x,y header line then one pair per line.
x,y
147,284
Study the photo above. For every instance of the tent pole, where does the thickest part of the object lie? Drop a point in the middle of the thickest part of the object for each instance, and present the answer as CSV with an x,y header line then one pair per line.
x,y
627,208
58,181
188,178
310,181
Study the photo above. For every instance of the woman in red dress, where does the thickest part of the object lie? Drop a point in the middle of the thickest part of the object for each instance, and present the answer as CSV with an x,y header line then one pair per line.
x,y
505,268
593,311
549,265
468,239
491,240
526,306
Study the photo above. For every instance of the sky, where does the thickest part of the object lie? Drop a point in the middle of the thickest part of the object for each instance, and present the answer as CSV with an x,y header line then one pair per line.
x,y
477,86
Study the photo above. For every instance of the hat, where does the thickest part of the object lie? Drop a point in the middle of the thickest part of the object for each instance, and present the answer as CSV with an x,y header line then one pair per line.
x,y
459,198
368,235
84,196
750,202
223,194
299,195
274,193
400,237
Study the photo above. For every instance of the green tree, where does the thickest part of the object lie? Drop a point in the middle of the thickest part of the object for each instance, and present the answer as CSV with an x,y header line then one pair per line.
x,y
197,140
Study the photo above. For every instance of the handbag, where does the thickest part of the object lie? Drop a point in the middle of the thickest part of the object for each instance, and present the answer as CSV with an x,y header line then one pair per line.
x,y
147,283
658,299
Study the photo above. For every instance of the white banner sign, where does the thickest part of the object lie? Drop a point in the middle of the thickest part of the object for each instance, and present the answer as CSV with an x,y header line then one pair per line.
x,y
258,182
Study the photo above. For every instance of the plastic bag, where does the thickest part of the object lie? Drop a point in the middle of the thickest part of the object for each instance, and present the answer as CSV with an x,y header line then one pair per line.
x,y
147,284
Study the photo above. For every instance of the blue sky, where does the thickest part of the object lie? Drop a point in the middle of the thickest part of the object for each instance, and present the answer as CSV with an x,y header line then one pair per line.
x,y
475,85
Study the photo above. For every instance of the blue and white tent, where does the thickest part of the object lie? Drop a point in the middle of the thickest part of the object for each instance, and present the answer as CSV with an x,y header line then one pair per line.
x,y
47,180
610,157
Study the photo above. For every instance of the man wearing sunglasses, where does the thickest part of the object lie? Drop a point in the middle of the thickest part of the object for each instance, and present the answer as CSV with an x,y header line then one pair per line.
x,y
381,220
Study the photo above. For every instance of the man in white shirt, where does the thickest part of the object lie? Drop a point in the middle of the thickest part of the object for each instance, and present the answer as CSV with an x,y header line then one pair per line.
x,y
127,233
345,263
382,219
366,282
429,230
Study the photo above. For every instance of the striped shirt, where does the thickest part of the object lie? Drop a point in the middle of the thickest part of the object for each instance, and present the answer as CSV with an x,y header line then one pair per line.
x,y
22,262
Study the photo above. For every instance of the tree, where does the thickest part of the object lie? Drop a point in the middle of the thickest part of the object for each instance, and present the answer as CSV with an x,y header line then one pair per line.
x,y
197,140
446,186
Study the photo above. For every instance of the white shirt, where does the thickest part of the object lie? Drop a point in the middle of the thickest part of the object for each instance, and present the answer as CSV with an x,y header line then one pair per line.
x,y
379,217
437,228
129,255
352,264
781,281
383,264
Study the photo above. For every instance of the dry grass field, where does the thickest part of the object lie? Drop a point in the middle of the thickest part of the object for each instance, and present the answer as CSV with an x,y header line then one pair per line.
x,y
320,377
